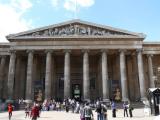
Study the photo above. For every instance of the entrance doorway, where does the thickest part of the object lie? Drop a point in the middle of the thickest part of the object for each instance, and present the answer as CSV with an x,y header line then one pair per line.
x,y
76,92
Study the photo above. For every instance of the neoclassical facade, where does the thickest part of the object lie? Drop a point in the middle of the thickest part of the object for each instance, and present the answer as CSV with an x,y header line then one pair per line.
x,y
78,59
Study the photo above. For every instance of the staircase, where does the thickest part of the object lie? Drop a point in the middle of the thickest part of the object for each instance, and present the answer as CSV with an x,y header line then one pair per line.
x,y
119,105
21,106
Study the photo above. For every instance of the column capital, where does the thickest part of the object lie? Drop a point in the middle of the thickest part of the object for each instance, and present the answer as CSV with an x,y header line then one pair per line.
x,y
104,50
67,51
3,56
12,51
139,50
29,51
149,55
48,51
85,50
122,50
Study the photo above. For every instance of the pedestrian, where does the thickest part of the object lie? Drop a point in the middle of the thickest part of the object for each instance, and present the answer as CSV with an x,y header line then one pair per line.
x,y
35,112
99,112
88,114
113,107
67,104
104,112
130,110
82,116
125,108
10,109
27,110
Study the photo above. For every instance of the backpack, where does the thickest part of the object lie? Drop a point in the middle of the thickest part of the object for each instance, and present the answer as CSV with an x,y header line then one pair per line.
x,y
87,112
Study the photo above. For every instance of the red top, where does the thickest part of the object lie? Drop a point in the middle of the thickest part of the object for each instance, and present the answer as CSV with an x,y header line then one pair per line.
x,y
35,112
10,108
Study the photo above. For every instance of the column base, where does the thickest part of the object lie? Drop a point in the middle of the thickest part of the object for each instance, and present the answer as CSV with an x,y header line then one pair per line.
x,y
9,101
106,100
144,99
125,100
87,100
28,101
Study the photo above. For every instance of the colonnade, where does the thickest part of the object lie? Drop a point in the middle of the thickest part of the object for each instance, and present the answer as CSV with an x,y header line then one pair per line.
x,y
86,81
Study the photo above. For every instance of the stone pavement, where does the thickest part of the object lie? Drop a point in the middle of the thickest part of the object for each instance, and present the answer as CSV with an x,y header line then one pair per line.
x,y
53,115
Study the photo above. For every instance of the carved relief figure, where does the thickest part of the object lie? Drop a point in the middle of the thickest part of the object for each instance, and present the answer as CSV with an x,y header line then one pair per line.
x,y
46,33
71,30
82,31
55,32
75,29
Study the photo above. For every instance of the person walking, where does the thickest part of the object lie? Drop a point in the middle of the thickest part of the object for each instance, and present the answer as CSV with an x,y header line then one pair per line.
x,y
125,108
104,112
113,107
130,110
88,114
82,116
35,112
27,110
10,109
99,112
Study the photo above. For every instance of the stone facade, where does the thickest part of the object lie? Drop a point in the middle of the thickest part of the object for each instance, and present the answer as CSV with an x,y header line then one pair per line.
x,y
78,59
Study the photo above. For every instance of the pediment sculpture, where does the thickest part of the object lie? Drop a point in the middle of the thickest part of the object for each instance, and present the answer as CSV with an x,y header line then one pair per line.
x,y
76,29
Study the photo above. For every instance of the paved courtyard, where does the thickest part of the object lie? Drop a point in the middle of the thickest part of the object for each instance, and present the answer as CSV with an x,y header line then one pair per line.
x,y
53,115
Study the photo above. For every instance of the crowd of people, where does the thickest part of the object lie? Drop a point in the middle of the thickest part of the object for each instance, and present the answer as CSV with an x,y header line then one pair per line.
x,y
82,108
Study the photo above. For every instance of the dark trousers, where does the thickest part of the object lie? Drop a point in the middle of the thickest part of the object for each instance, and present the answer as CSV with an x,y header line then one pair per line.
x,y
125,112
10,115
114,113
100,116
130,113
34,118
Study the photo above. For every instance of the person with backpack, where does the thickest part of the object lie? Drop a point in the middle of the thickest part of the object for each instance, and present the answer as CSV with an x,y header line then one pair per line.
x,y
88,114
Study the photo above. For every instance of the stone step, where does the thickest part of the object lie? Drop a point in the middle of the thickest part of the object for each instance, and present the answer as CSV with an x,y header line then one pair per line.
x,y
119,105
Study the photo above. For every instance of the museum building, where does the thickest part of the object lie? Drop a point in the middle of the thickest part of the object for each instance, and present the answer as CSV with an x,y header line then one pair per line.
x,y
80,60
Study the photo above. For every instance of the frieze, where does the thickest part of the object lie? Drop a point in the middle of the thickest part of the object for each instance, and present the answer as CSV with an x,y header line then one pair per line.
x,y
76,29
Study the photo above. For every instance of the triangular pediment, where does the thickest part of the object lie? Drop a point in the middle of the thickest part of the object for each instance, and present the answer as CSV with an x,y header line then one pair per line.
x,y
74,28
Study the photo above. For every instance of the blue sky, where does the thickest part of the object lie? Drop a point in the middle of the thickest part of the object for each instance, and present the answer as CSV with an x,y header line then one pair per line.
x,y
133,15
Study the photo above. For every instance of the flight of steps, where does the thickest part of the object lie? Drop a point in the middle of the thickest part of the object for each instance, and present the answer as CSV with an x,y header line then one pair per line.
x,y
119,105
21,106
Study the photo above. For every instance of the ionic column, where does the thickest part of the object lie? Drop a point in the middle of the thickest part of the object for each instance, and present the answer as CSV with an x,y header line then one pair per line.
x,y
105,86
2,65
67,74
11,74
86,81
123,76
48,74
150,68
29,75
141,75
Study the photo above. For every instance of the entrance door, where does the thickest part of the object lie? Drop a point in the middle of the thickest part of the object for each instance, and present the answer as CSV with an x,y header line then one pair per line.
x,y
76,92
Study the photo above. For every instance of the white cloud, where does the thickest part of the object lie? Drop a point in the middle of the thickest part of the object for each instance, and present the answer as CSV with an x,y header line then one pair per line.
x,y
55,3
70,5
21,5
11,15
